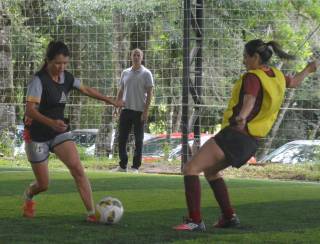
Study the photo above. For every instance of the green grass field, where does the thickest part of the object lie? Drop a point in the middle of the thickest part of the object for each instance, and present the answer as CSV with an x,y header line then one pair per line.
x,y
270,211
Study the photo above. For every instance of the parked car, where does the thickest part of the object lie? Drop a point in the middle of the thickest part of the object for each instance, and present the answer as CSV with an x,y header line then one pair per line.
x,y
91,149
170,146
295,152
84,137
19,142
176,152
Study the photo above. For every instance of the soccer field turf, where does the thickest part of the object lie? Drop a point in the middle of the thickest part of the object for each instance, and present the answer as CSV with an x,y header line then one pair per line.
x,y
270,211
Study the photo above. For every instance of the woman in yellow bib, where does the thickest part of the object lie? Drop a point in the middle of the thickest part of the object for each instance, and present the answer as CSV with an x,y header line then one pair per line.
x,y
253,108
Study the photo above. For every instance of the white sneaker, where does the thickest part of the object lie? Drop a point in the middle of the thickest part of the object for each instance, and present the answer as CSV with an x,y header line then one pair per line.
x,y
133,170
118,169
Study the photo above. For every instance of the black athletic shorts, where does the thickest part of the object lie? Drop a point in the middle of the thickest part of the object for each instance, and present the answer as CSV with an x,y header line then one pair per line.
x,y
237,147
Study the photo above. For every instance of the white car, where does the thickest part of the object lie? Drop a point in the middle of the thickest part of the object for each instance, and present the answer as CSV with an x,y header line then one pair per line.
x,y
295,152
19,144
176,152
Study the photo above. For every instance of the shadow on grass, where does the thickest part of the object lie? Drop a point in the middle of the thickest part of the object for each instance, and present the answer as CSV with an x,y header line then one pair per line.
x,y
11,169
62,182
60,219
155,226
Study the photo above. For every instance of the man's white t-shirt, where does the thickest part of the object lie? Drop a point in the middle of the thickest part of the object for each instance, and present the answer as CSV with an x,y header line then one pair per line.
x,y
135,84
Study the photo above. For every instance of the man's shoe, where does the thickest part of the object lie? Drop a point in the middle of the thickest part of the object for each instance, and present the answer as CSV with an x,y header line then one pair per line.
x,y
189,225
29,208
223,222
133,170
119,169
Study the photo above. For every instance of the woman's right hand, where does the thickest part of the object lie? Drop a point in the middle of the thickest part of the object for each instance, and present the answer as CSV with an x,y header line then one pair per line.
x,y
58,125
119,103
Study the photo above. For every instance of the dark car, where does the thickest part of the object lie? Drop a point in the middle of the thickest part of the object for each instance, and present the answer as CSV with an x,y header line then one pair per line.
x,y
85,137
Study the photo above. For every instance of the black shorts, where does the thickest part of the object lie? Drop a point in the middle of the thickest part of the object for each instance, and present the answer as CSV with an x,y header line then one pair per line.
x,y
238,147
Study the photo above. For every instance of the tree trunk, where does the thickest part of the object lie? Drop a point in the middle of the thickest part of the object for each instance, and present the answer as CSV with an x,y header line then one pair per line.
x,y
140,31
107,136
315,130
75,103
177,123
7,110
170,116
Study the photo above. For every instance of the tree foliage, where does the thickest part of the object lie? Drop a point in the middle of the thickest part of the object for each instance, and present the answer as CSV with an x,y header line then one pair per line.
x,y
87,27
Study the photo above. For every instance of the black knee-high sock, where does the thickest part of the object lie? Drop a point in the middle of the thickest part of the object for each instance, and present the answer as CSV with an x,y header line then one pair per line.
x,y
221,194
193,195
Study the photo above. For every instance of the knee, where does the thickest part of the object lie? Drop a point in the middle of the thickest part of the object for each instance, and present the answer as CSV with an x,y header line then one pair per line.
x,y
43,187
212,177
185,169
77,172
189,169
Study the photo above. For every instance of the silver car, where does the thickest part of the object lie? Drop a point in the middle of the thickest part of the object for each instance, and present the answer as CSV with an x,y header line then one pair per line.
x,y
295,152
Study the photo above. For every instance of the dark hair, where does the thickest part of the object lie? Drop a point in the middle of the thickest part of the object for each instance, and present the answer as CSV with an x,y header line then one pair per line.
x,y
265,50
55,48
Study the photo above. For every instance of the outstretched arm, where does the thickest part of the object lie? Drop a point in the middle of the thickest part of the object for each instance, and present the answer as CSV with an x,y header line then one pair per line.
x,y
91,92
299,77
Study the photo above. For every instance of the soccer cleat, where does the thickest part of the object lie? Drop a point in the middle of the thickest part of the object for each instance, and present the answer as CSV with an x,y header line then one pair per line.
x,y
92,219
227,223
29,208
188,225
119,169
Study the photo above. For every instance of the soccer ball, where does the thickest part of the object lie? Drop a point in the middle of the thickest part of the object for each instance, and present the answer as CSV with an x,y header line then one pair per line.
x,y
109,210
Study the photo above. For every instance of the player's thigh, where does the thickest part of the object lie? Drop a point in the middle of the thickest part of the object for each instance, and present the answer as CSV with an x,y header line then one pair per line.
x,y
67,152
38,153
209,156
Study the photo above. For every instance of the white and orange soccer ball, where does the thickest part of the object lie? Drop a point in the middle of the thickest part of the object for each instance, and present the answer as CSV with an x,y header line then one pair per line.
x,y
109,210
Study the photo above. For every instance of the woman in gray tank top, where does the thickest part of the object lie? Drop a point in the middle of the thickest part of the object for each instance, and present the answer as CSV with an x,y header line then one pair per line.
x,y
46,129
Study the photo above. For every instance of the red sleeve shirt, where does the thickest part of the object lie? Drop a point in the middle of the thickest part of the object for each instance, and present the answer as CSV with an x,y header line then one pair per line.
x,y
252,85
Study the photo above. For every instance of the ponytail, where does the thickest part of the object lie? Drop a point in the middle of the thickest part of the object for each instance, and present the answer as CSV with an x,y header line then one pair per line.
x,y
278,51
265,50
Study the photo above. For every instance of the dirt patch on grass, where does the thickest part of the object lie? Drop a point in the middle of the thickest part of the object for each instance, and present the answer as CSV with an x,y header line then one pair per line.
x,y
269,171
305,172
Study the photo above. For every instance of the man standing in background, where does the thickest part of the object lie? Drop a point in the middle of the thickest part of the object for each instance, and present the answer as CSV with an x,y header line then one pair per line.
x,y
136,85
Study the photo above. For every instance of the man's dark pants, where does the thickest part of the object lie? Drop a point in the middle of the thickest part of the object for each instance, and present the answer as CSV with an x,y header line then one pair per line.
x,y
129,118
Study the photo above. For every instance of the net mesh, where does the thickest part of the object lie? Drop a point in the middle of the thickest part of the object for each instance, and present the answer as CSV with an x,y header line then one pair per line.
x,y
100,35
